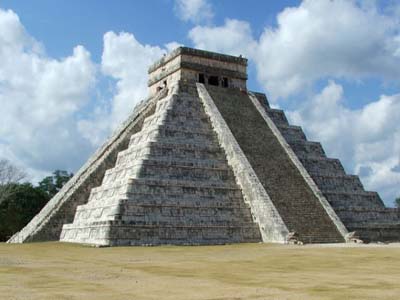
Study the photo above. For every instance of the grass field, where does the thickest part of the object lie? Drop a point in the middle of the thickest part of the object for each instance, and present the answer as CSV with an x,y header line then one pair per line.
x,y
246,271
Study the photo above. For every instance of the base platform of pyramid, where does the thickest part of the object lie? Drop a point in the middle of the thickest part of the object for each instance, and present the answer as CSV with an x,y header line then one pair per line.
x,y
204,161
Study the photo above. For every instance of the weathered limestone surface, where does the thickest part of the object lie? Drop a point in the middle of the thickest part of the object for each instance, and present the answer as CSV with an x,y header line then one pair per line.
x,y
359,210
292,195
185,64
172,185
201,164
47,225
272,227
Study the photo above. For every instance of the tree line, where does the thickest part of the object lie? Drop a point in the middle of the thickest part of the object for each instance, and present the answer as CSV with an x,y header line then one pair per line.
x,y
20,201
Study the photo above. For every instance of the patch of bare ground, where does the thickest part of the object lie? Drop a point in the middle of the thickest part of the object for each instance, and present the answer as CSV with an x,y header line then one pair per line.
x,y
241,271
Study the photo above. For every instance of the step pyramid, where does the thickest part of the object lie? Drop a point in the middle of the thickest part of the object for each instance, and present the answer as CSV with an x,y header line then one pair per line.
x,y
204,161
172,184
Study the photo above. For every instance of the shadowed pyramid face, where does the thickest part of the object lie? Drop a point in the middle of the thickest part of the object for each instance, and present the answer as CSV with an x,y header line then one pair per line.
x,y
204,161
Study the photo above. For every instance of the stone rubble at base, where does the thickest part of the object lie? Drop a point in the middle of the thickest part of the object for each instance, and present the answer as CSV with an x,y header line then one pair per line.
x,y
204,161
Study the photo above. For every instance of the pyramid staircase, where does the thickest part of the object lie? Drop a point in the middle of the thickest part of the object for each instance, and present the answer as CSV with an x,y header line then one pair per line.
x,y
360,211
298,205
172,185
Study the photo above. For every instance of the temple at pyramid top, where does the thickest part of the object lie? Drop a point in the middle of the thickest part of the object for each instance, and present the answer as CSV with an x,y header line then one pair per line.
x,y
205,161
192,65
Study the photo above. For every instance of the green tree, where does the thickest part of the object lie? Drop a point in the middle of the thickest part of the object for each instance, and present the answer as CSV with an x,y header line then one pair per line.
x,y
21,204
51,185
397,202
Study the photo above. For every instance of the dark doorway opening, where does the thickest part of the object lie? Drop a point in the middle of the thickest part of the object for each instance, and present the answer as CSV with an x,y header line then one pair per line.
x,y
213,80
225,82
201,78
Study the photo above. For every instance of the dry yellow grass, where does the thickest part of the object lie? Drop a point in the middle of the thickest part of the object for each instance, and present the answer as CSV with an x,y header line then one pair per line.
x,y
246,271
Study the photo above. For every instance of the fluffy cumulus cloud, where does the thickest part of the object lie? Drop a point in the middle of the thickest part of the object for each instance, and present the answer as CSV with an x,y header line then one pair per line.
x,y
126,61
233,37
317,39
39,96
55,112
338,39
196,11
367,139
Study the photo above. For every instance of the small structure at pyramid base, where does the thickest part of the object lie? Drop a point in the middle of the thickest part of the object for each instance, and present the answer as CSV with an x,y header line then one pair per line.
x,y
204,161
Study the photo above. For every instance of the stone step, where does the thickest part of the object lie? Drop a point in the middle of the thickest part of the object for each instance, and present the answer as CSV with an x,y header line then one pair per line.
x,y
219,164
169,199
154,119
171,171
307,149
262,98
168,170
348,199
143,136
163,103
196,109
345,183
193,163
187,129
278,116
372,232
322,166
131,208
171,133
183,187
177,201
178,120
124,234
137,214
164,149
187,101
353,214
195,141
320,239
117,188
292,133
123,185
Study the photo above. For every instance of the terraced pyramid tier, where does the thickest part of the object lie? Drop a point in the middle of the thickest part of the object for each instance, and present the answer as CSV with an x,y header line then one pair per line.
x,y
359,210
172,185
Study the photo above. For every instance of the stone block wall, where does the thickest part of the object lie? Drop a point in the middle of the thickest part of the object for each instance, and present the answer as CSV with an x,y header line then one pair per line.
x,y
172,185
47,225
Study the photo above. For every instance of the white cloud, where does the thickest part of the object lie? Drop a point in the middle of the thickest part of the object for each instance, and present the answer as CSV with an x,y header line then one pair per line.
x,y
317,39
196,11
51,117
234,37
39,96
125,60
172,46
327,38
367,140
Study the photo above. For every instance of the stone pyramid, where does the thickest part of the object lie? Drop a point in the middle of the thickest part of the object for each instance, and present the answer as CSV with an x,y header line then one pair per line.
x,y
204,161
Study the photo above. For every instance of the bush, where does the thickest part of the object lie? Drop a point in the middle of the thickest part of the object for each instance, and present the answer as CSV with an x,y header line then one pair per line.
x,y
19,204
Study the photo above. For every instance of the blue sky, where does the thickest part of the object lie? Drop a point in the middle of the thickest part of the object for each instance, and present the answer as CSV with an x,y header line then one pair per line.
x,y
70,71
